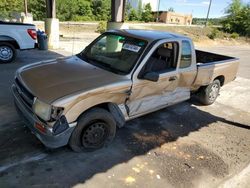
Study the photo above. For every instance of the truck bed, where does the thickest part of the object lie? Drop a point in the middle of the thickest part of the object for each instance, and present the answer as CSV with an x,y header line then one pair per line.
x,y
203,57
18,34
211,66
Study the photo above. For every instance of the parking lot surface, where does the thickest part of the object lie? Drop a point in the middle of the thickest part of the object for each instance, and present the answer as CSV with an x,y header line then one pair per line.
x,y
185,145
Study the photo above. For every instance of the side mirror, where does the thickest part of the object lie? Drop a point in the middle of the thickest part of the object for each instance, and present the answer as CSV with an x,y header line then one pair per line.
x,y
151,76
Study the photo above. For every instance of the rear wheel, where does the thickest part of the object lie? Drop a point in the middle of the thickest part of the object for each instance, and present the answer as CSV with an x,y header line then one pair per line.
x,y
95,129
209,94
7,52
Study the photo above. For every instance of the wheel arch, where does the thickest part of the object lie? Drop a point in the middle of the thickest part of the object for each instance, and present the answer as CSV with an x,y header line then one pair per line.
x,y
7,39
111,108
221,78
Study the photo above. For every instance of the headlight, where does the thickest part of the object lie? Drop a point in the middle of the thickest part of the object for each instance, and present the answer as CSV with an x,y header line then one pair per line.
x,y
42,109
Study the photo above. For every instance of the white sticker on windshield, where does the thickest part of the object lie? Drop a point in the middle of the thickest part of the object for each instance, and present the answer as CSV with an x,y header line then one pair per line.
x,y
131,47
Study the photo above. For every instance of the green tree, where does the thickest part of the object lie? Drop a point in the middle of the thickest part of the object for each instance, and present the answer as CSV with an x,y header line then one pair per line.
x,y
9,6
66,9
246,19
140,10
147,13
37,8
127,10
101,9
237,19
84,11
234,8
133,16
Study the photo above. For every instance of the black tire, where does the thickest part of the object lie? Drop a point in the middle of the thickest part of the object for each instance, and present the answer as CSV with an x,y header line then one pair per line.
x,y
209,94
7,52
96,123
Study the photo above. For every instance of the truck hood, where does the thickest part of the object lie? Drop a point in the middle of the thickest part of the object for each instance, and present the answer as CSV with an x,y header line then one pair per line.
x,y
53,80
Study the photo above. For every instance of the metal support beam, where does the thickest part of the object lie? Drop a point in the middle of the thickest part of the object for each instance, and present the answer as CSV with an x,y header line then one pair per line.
x,y
117,15
51,8
117,10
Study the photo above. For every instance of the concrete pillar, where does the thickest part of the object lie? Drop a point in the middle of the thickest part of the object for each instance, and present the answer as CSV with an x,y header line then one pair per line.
x,y
52,30
52,24
117,15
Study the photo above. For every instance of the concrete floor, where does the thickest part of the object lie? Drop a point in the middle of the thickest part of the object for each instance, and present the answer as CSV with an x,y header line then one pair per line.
x,y
186,145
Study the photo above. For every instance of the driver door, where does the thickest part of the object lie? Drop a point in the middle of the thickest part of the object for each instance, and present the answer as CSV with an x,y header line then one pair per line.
x,y
147,95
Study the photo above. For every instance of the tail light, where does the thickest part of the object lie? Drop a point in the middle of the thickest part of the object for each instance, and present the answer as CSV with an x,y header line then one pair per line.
x,y
32,33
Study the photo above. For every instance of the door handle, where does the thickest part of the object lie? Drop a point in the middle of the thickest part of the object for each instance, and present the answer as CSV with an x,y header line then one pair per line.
x,y
172,78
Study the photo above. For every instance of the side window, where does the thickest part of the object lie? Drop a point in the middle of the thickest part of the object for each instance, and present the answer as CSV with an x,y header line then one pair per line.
x,y
186,55
164,58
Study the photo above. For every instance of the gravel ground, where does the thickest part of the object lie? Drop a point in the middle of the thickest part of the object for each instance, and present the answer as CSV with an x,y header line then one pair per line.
x,y
186,145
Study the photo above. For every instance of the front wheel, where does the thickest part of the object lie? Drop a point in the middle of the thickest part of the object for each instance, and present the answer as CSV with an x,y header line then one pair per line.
x,y
95,129
7,52
209,94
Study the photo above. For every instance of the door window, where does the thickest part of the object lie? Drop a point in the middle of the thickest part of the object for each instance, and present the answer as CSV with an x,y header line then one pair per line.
x,y
164,58
186,54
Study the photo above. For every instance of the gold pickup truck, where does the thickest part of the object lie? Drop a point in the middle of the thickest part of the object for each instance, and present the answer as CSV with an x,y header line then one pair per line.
x,y
123,74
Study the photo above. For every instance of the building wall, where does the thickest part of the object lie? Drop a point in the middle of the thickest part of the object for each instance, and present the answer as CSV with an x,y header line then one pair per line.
x,y
174,18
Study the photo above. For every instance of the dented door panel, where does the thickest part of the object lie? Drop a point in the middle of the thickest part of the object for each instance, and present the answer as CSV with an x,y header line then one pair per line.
x,y
149,96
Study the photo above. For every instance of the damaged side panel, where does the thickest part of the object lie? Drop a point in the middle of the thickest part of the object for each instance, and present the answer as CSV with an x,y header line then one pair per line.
x,y
113,94
155,102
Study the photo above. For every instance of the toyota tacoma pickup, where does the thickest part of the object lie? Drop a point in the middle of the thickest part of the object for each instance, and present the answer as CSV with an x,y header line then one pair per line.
x,y
123,74
15,36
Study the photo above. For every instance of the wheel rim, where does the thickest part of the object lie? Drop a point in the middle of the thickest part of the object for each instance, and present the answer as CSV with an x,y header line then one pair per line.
x,y
95,135
214,92
6,53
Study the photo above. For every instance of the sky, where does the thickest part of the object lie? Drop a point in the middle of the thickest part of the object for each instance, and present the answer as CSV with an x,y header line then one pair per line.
x,y
198,8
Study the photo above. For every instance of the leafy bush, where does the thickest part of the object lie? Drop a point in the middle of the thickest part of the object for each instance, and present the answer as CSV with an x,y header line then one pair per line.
x,y
234,35
102,26
133,16
81,18
214,34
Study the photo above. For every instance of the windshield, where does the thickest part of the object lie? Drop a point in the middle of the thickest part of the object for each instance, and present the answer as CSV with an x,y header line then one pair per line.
x,y
114,52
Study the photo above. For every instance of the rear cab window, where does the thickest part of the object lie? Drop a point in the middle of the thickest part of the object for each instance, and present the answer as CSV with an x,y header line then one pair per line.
x,y
186,54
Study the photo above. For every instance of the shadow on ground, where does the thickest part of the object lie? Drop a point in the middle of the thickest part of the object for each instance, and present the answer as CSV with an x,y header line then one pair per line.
x,y
25,158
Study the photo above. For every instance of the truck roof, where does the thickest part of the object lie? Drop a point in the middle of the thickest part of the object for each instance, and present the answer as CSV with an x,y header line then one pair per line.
x,y
149,35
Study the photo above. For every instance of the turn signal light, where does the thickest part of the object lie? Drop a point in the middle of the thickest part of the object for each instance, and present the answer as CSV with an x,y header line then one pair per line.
x,y
40,127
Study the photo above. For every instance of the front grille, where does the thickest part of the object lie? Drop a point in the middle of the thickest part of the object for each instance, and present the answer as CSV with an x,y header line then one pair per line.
x,y
26,96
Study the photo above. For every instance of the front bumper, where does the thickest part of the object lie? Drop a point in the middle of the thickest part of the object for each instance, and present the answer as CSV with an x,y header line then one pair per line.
x,y
48,138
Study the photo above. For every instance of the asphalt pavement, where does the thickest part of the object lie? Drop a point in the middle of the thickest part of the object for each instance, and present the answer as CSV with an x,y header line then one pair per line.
x,y
185,145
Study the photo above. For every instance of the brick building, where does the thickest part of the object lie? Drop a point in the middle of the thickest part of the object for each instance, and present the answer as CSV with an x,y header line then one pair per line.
x,y
174,18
